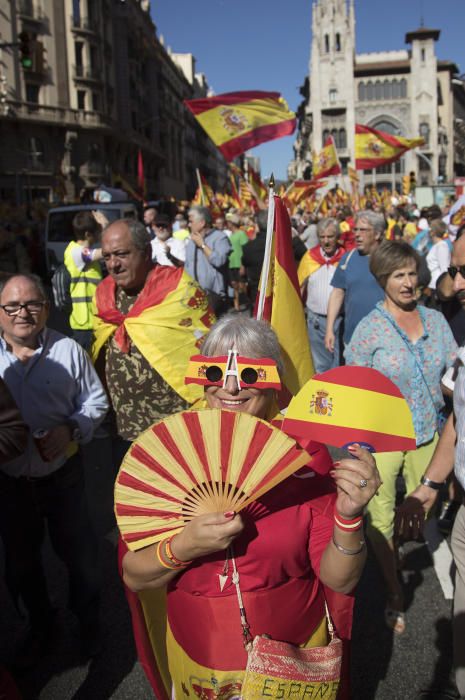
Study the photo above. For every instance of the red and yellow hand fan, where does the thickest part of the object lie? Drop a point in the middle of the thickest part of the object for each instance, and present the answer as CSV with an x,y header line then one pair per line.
x,y
352,404
198,462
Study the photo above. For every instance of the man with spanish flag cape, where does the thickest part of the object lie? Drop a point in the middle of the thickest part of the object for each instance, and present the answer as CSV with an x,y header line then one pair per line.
x,y
148,322
374,148
237,121
316,270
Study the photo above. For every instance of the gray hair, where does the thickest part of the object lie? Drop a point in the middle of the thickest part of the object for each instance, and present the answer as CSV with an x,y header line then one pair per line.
x,y
35,279
201,213
376,221
250,337
138,232
323,224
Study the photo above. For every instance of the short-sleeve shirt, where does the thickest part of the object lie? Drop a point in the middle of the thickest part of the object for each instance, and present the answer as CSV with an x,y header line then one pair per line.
x,y
139,394
238,240
416,368
362,291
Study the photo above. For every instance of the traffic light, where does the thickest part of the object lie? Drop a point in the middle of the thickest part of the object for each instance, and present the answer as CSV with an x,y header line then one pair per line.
x,y
25,50
406,184
413,180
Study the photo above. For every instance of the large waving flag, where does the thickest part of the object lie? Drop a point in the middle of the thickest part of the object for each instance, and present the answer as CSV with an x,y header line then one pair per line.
x,y
237,121
326,163
284,309
374,148
301,189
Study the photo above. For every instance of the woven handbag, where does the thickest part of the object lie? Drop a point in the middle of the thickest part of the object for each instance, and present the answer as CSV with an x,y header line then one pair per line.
x,y
281,670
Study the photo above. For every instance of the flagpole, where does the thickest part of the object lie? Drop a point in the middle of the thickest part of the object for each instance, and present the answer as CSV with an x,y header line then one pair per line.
x,y
199,182
268,246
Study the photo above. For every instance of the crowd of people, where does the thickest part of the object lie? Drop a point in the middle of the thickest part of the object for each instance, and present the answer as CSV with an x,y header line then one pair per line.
x,y
381,288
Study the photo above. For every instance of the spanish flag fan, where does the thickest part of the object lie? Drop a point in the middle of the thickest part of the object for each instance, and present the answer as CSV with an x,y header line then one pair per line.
x,y
352,404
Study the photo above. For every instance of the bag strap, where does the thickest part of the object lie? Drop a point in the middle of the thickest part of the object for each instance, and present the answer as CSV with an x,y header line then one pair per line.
x,y
347,260
247,637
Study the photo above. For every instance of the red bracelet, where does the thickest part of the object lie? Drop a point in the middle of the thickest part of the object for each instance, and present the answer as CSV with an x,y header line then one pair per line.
x,y
348,525
161,558
170,555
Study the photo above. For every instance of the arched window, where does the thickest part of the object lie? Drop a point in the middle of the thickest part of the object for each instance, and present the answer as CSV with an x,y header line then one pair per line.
x,y
362,92
424,132
326,134
335,136
389,127
338,42
395,89
403,88
387,90
342,138
326,43
370,91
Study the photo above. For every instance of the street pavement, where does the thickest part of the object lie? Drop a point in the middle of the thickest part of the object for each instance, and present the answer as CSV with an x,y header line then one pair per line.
x,y
415,666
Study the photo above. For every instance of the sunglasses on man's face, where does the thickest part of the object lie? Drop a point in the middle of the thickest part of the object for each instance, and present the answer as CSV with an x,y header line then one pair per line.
x,y
260,373
452,270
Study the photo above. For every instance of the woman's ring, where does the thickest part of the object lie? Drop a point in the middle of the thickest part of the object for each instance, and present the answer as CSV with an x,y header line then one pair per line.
x,y
363,483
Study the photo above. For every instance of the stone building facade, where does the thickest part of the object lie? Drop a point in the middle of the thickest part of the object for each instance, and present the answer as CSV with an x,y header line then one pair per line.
x,y
101,87
406,93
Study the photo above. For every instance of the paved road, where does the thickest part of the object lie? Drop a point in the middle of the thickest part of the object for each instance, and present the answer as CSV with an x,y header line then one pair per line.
x,y
414,666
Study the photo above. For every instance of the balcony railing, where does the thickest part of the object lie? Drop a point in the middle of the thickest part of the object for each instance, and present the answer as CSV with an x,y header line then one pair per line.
x,y
83,24
86,73
57,115
28,11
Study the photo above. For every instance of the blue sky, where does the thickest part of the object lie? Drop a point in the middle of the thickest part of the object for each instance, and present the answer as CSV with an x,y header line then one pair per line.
x,y
265,44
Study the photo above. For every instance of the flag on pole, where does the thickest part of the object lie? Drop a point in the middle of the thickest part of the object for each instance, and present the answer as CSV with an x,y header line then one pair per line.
x,y
374,148
283,306
326,163
301,189
235,199
257,184
140,174
237,121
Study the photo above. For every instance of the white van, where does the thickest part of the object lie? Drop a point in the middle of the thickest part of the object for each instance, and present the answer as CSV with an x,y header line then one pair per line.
x,y
59,229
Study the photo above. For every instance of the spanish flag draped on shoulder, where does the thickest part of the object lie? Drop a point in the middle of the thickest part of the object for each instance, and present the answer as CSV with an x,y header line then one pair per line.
x,y
170,312
237,121
326,163
374,148
284,309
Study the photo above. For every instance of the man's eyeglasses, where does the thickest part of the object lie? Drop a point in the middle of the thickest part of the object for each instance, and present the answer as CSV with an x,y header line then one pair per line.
x,y
452,270
32,307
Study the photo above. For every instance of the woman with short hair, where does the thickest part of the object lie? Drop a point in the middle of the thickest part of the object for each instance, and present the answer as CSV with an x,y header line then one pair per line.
x,y
413,346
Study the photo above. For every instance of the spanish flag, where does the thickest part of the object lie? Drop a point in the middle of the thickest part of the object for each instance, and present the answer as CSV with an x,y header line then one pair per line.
x,y
301,189
257,184
374,148
283,307
237,121
326,163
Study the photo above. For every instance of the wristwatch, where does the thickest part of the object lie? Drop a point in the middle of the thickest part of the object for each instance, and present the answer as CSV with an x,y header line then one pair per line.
x,y
76,434
203,246
436,485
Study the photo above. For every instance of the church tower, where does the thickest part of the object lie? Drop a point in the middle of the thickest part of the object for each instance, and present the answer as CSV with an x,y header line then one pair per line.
x,y
332,92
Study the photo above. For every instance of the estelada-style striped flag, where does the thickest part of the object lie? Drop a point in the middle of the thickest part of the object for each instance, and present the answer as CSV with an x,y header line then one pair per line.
x,y
257,184
237,121
284,309
324,410
326,163
374,148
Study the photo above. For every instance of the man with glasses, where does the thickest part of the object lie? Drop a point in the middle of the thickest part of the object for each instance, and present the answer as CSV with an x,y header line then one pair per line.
x,y
62,401
148,321
354,287
166,250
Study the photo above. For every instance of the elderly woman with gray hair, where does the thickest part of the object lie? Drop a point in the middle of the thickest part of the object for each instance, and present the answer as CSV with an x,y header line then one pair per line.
x,y
354,287
315,272
292,548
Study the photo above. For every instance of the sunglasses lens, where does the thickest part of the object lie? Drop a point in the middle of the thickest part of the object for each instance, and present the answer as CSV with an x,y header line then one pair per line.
x,y
452,272
214,373
249,375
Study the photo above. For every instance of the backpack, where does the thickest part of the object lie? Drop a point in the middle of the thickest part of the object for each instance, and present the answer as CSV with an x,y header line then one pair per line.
x,y
61,284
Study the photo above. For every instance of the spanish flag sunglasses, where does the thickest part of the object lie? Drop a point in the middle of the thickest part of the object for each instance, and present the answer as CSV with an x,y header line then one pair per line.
x,y
250,372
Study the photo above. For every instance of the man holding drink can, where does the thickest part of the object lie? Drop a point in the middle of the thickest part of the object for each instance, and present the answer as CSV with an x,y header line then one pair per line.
x,y
62,401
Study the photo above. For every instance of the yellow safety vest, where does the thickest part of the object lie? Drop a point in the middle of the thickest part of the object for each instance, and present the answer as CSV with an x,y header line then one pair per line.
x,y
82,289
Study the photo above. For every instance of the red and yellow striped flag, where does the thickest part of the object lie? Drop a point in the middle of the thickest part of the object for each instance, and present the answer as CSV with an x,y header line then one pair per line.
x,y
284,309
374,148
237,121
326,163
257,184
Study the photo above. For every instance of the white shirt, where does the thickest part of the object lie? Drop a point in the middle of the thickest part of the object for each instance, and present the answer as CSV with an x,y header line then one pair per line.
x,y
177,249
319,288
438,260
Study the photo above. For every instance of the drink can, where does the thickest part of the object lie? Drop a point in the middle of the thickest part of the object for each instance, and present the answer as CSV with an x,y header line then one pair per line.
x,y
38,436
